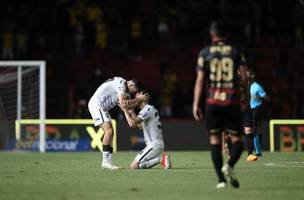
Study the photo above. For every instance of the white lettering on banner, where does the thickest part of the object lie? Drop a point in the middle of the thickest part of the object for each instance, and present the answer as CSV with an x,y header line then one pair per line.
x,y
59,145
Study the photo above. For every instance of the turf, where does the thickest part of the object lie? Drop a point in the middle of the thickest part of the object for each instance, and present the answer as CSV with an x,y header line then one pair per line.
x,y
79,176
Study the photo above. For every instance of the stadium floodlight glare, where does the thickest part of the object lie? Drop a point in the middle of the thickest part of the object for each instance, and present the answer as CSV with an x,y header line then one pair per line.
x,y
22,95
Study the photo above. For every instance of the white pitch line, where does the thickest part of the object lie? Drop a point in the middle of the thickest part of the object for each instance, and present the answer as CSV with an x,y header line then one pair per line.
x,y
294,164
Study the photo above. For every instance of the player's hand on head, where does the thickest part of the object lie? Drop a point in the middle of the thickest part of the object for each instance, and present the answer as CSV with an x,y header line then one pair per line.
x,y
142,96
197,113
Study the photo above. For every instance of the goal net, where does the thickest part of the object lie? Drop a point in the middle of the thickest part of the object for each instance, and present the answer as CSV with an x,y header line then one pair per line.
x,y
22,96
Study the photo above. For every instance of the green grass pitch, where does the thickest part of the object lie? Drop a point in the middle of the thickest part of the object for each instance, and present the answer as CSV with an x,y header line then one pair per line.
x,y
78,176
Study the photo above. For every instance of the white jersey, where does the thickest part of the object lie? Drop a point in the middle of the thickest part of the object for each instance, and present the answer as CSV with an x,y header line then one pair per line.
x,y
151,126
106,96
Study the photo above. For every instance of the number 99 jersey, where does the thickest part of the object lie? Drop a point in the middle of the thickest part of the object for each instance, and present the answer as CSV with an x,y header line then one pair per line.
x,y
220,61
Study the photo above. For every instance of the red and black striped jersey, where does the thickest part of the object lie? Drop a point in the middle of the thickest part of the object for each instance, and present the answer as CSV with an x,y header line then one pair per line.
x,y
220,61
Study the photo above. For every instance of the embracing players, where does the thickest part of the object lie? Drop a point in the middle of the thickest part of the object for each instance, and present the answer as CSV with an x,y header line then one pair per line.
x,y
218,65
110,93
148,119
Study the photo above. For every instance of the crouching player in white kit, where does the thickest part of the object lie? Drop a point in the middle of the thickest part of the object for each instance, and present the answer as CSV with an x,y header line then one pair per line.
x,y
148,120
109,94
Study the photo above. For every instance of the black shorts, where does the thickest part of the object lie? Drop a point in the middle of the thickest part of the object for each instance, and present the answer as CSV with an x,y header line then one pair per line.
x,y
247,118
257,116
220,118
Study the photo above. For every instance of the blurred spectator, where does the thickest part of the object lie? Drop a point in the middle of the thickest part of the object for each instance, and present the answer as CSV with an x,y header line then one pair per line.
x,y
163,31
168,87
101,34
299,40
22,44
248,34
79,37
124,29
81,110
136,29
73,15
94,13
8,44
136,34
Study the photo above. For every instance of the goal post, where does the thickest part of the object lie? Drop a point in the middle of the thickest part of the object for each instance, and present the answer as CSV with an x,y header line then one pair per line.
x,y
16,72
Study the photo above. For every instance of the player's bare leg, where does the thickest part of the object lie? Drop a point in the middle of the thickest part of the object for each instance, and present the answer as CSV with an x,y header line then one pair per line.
x,y
146,164
226,144
150,163
108,137
134,164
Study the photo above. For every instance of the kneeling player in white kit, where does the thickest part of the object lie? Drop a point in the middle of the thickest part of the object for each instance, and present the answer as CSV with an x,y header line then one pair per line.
x,y
109,94
148,120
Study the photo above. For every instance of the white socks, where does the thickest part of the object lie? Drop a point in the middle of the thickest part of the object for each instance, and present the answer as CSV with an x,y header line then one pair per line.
x,y
106,157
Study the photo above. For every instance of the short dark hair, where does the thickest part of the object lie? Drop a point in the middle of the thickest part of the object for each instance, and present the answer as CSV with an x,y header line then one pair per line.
x,y
136,83
220,28
252,74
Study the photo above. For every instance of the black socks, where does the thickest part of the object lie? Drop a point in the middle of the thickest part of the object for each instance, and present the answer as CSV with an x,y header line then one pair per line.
x,y
217,158
249,138
106,148
236,151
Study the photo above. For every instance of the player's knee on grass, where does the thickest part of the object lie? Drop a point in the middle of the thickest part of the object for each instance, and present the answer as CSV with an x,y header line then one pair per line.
x,y
134,165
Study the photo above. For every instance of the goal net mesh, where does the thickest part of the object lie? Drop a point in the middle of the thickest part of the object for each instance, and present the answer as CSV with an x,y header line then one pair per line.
x,y
8,101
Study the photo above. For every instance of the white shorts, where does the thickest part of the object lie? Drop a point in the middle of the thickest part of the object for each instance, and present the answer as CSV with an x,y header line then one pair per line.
x,y
98,114
148,153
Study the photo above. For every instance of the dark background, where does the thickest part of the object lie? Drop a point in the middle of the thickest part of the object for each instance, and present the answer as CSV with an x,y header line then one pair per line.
x,y
156,41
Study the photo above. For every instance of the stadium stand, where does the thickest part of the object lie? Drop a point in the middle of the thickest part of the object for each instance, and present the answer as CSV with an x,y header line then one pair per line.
x,y
87,41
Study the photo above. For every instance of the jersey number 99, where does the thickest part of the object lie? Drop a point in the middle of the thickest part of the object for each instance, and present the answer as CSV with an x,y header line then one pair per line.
x,y
221,69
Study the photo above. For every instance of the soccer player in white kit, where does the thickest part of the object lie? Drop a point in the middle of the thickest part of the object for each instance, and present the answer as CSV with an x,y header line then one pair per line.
x,y
148,120
110,93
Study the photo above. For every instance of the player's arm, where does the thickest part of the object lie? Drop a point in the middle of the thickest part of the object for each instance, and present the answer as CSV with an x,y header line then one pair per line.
x,y
198,89
266,98
242,71
262,95
243,75
132,103
132,121
131,117
133,114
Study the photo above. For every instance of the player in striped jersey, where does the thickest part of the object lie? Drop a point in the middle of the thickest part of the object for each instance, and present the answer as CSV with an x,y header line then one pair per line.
x,y
218,65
